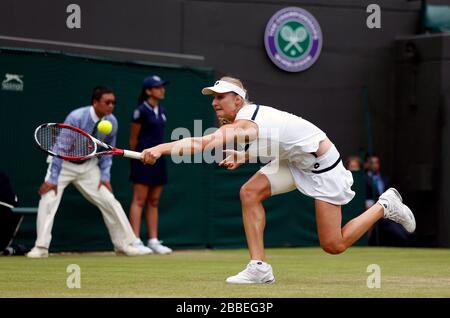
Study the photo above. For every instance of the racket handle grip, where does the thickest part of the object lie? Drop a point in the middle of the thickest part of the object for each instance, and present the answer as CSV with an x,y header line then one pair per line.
x,y
132,154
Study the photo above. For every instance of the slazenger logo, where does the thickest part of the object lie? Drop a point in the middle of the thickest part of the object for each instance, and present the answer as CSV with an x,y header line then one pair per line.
x,y
293,39
12,82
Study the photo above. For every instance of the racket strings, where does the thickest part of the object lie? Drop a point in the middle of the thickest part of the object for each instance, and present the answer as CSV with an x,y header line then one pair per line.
x,y
63,141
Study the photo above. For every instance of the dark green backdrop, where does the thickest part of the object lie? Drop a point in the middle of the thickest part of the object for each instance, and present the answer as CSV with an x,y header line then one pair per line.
x,y
199,207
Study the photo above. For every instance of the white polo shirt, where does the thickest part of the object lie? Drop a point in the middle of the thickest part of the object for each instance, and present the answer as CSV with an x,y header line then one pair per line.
x,y
296,137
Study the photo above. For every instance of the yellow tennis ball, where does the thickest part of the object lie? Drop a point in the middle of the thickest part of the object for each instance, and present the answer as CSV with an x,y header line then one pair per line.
x,y
104,127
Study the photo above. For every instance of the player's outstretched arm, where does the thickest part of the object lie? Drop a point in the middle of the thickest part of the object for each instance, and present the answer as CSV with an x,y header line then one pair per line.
x,y
240,131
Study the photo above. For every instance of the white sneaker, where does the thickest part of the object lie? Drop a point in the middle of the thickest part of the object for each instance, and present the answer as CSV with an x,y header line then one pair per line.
x,y
395,210
144,249
158,248
38,252
253,274
131,250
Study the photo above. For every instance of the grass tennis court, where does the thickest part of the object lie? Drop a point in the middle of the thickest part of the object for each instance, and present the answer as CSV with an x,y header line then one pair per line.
x,y
300,272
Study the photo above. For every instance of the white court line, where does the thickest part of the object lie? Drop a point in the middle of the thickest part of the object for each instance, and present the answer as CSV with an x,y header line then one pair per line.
x,y
104,48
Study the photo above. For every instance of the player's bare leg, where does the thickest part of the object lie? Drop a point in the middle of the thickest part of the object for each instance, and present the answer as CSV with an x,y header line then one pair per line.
x,y
333,238
252,193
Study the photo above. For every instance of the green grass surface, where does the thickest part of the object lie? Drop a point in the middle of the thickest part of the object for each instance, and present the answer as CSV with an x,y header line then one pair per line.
x,y
300,272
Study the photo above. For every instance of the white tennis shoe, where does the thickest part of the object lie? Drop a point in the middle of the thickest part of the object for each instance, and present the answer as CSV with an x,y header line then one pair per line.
x,y
253,274
38,252
144,250
157,247
133,250
395,210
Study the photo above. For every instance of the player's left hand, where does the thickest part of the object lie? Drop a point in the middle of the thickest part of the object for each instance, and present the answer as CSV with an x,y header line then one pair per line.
x,y
107,184
233,159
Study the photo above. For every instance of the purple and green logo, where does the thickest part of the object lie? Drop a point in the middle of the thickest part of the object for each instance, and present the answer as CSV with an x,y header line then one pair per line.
x,y
293,39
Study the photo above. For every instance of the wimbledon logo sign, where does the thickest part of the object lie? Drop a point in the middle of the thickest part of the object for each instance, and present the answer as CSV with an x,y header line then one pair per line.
x,y
293,39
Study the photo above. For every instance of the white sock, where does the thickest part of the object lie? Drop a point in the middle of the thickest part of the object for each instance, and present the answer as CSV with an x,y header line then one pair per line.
x,y
385,204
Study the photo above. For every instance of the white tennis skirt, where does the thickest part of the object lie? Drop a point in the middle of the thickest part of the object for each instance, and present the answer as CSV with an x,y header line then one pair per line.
x,y
326,179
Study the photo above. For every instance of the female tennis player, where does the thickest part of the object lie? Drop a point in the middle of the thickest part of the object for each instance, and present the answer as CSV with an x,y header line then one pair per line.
x,y
307,160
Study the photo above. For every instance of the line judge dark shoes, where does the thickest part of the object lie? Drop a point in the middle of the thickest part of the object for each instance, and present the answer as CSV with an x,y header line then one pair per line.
x,y
395,210
256,272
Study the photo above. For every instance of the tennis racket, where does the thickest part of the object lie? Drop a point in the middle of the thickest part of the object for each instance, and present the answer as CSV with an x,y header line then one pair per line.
x,y
71,143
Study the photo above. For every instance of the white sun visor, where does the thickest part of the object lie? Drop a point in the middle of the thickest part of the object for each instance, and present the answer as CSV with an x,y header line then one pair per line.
x,y
223,87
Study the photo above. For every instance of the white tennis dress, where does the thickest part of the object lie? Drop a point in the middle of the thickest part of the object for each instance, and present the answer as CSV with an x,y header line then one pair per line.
x,y
294,163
